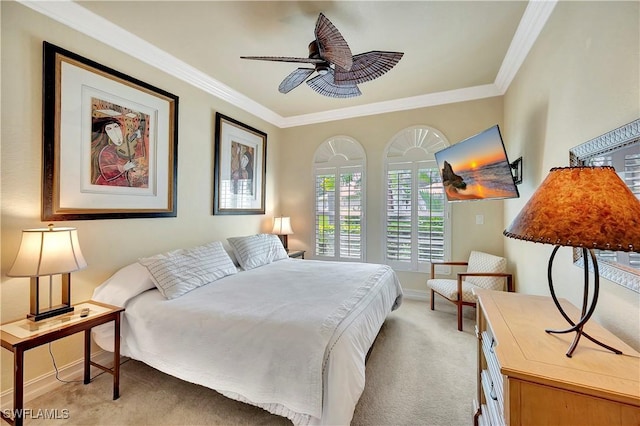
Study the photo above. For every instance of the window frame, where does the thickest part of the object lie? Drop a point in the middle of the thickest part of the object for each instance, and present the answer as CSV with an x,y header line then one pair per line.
x,y
410,148
339,155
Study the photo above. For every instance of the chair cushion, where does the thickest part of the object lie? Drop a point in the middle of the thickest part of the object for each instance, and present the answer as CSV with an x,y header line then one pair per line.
x,y
484,262
449,289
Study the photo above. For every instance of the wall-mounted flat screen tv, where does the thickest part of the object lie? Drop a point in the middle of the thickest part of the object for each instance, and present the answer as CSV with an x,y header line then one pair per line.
x,y
477,168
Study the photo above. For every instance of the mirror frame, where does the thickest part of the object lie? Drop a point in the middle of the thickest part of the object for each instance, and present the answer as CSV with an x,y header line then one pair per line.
x,y
623,136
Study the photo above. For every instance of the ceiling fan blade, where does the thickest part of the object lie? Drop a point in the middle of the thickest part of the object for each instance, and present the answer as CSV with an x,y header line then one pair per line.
x,y
331,44
324,85
294,79
367,66
284,59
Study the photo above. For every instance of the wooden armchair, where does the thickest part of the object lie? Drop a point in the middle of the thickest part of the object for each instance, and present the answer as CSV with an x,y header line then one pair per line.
x,y
483,270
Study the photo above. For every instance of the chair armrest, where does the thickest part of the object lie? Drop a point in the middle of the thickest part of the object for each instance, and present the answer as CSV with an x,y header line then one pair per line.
x,y
509,277
485,274
439,263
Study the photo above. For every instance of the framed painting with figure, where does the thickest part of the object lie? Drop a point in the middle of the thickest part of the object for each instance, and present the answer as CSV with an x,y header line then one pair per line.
x,y
109,142
239,168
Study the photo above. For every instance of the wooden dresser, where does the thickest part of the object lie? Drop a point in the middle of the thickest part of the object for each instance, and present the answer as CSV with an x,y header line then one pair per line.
x,y
525,378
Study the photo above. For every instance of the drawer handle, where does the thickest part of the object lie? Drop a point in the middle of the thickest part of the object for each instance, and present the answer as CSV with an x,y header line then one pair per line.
x,y
492,394
493,341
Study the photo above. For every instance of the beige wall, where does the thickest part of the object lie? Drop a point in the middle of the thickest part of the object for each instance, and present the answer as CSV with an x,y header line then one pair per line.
x,y
106,244
456,121
580,80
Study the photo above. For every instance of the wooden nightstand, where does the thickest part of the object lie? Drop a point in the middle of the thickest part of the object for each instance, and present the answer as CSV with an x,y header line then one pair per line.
x,y
22,335
296,253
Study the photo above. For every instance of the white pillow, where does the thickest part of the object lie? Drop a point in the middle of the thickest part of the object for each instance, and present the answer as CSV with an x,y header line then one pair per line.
x,y
231,254
257,250
180,271
126,283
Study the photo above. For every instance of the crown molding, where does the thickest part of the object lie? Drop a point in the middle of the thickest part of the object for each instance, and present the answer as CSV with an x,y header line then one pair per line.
x,y
533,20
88,23
403,104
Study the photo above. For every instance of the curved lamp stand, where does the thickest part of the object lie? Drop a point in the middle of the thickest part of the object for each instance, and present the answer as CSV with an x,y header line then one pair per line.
x,y
587,309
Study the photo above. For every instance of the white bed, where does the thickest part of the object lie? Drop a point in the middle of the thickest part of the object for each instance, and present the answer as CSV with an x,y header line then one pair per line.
x,y
290,336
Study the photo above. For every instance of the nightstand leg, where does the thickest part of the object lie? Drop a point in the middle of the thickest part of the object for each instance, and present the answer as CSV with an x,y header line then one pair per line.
x,y
18,387
116,358
87,356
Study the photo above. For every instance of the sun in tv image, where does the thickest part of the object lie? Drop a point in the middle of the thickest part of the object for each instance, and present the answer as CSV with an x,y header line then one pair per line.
x,y
477,168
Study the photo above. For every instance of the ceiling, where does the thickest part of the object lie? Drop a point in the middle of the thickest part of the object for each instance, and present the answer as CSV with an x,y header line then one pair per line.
x,y
453,50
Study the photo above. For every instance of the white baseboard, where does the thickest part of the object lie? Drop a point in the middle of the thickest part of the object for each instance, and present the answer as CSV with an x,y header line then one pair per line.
x,y
48,382
416,294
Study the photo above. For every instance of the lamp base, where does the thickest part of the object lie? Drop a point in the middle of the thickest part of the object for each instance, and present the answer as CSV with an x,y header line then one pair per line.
x,y
587,311
35,313
285,241
49,313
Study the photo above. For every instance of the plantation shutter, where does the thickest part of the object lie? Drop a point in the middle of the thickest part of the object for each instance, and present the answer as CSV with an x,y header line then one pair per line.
x,y
431,215
325,214
399,215
339,203
416,212
351,212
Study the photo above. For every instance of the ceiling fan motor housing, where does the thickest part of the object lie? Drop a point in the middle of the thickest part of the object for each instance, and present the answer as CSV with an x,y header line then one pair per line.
x,y
314,53
314,50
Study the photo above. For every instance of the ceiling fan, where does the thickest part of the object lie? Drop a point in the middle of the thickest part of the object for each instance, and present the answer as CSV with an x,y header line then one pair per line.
x,y
339,72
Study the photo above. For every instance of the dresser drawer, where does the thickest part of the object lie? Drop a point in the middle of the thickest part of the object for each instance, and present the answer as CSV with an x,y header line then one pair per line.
x,y
497,380
494,416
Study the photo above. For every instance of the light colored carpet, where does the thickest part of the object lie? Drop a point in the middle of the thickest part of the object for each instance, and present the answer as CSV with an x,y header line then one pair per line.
x,y
421,372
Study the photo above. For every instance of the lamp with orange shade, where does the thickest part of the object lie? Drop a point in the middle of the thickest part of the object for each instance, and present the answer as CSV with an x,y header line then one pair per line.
x,y
584,207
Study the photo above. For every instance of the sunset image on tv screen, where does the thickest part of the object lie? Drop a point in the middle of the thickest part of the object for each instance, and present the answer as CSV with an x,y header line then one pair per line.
x,y
477,168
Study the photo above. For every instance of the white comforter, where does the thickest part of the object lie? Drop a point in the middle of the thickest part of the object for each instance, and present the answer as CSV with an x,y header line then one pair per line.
x,y
270,336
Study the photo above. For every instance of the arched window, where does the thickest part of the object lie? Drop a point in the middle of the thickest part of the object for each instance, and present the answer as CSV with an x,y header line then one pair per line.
x,y
339,176
417,219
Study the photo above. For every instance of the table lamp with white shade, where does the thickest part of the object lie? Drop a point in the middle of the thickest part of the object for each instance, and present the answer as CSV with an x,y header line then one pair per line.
x,y
47,252
282,228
